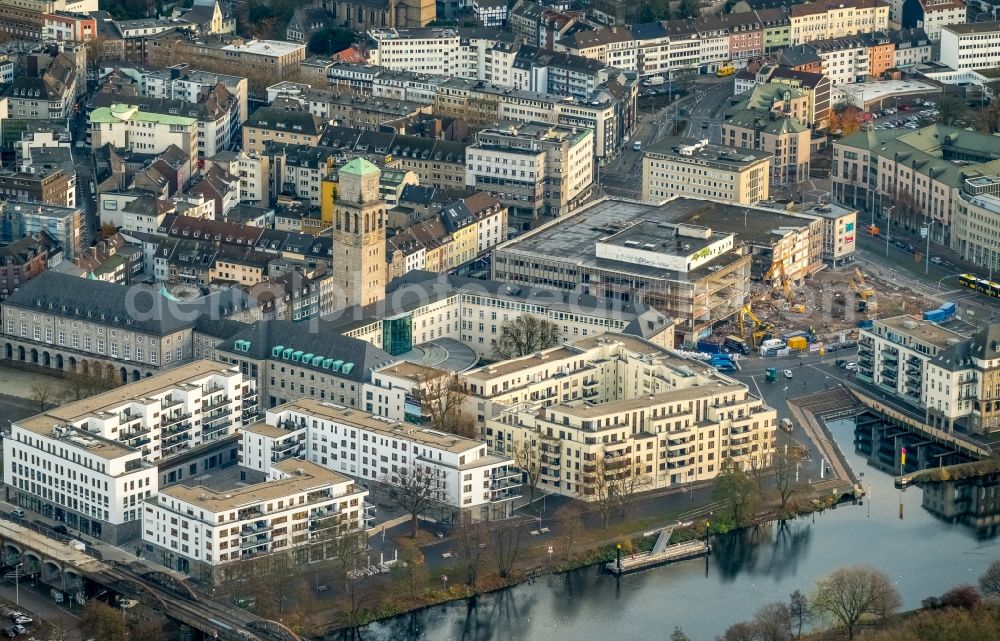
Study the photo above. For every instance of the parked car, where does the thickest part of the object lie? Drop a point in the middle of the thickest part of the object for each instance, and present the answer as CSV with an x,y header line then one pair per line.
x,y
21,619
937,260
61,529
851,367
17,514
787,373
904,107
840,362
18,628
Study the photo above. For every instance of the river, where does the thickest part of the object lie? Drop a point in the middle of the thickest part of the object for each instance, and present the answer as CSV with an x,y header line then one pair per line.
x,y
923,554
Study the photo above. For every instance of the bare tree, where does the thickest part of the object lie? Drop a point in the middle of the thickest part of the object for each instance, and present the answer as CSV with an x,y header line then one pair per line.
x,y
951,108
741,631
473,539
506,544
413,490
851,595
525,335
785,463
678,635
798,608
527,459
757,468
773,622
989,583
43,392
410,572
81,386
444,398
734,488
626,485
569,525
600,489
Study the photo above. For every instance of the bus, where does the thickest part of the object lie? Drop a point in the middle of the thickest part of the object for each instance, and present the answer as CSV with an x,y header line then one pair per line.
x,y
982,285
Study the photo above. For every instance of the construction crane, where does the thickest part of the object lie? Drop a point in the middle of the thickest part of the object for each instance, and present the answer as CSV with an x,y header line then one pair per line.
x,y
760,329
864,291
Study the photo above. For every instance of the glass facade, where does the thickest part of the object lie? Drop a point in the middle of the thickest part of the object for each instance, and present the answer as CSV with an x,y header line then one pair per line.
x,y
397,334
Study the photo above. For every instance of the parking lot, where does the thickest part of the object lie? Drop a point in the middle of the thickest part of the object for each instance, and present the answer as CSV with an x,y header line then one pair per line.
x,y
919,114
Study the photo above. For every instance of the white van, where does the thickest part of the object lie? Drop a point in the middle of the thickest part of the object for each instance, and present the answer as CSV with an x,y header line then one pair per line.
x,y
637,145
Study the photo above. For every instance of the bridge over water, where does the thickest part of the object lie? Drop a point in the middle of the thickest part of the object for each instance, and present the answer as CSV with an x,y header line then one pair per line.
x,y
80,574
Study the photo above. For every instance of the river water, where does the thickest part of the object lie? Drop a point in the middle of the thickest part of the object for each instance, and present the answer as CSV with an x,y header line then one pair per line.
x,y
923,554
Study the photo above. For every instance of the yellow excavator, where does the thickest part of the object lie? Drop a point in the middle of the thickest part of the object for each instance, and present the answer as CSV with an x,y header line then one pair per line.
x,y
760,329
776,276
865,292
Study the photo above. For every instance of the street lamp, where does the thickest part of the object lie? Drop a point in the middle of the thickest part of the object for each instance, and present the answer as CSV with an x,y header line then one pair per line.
x,y
17,584
927,259
888,226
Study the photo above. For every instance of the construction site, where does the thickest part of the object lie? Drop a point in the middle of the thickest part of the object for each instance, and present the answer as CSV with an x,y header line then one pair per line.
x,y
825,306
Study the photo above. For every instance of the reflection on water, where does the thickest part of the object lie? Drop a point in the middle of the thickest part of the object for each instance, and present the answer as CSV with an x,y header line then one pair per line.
x,y
974,503
924,555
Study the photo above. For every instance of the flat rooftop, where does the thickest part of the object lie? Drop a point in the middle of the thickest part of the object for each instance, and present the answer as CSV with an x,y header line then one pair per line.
x,y
573,238
270,431
922,330
411,371
584,409
972,27
265,47
873,92
372,423
754,225
140,391
305,476
506,368
703,152
661,238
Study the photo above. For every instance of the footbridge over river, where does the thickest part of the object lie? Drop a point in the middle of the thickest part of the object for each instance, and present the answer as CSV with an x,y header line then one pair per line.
x,y
81,575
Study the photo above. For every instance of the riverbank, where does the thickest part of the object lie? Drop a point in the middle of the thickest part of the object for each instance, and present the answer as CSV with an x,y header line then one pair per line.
x,y
397,594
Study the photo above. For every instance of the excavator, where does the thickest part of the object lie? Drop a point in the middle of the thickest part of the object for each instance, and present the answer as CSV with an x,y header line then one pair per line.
x,y
864,292
776,276
760,331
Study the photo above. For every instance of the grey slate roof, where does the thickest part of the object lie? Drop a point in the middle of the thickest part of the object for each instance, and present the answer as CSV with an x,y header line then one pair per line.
x,y
315,337
141,309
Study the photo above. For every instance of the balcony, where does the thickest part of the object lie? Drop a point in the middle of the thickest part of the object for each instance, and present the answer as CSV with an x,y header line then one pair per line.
x,y
590,383
255,528
590,393
550,460
216,424
171,420
208,407
167,403
176,428
255,541
287,446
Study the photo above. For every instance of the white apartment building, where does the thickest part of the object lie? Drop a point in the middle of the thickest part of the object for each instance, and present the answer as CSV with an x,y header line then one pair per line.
x,y
824,19
940,13
535,169
299,506
94,485
606,407
844,61
127,127
372,448
440,51
975,45
948,378
687,167
90,463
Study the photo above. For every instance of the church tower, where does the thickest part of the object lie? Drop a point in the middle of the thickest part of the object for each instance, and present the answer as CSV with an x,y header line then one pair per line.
x,y
359,220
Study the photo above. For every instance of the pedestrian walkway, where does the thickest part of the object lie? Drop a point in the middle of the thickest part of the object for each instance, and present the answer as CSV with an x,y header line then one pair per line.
x,y
804,411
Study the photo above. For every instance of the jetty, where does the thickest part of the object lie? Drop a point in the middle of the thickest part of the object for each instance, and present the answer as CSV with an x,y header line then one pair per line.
x,y
662,553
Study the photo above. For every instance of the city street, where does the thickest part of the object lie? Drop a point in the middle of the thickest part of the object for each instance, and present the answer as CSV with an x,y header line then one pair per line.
x,y
706,102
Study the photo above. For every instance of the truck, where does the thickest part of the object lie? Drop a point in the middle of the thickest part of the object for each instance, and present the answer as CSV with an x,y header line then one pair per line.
x,y
708,347
736,344
654,81
771,374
